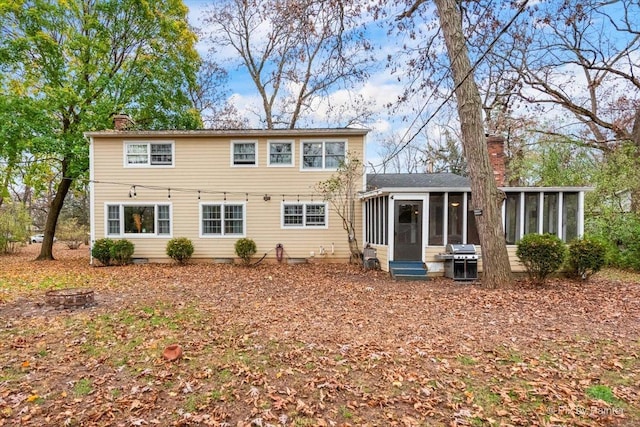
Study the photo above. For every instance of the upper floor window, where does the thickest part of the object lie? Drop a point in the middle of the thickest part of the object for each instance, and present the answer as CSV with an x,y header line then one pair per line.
x,y
149,154
244,153
297,215
323,154
140,219
280,153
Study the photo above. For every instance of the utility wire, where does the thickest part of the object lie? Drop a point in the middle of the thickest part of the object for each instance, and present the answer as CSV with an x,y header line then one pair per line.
x,y
521,9
428,100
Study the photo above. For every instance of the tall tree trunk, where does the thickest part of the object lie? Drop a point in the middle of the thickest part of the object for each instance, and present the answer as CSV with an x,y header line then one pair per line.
x,y
46,251
635,137
495,260
5,182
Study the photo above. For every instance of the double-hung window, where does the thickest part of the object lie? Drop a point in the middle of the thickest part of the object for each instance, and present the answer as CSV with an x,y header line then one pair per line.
x,y
304,215
148,154
244,153
113,220
280,153
217,220
323,154
144,219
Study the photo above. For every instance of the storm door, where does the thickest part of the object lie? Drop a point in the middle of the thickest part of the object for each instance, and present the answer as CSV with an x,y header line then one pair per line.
x,y
408,230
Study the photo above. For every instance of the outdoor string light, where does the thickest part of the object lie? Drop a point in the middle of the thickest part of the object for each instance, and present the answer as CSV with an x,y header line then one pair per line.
x,y
133,191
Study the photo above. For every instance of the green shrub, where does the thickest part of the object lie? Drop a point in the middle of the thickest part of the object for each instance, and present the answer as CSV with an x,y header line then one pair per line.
x,y
101,250
14,226
71,232
627,243
180,249
586,256
122,251
245,249
621,235
541,254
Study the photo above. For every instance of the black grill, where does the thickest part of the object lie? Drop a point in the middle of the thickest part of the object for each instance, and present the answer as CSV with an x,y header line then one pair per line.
x,y
460,262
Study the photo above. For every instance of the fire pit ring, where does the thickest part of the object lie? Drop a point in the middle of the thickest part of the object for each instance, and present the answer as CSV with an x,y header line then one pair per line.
x,y
70,298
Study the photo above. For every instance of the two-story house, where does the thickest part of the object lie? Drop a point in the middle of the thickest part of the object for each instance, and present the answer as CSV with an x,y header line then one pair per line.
x,y
216,186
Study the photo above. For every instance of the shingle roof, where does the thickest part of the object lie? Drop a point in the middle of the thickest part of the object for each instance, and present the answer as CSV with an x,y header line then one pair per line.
x,y
416,180
228,133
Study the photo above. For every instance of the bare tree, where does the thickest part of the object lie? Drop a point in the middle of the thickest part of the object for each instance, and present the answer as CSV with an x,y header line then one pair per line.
x,y
581,57
294,51
341,190
497,270
445,154
396,158
211,99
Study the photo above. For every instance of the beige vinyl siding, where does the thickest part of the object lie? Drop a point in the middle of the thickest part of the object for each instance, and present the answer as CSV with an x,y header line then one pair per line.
x,y
382,253
516,265
205,163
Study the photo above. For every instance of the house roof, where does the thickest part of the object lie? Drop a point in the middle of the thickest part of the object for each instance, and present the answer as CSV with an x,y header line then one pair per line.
x,y
416,180
238,133
439,182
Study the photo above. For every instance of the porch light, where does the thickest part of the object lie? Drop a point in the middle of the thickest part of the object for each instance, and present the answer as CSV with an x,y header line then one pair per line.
x,y
455,204
266,198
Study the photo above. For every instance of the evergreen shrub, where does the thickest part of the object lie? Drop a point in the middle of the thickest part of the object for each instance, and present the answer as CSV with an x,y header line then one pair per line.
x,y
541,254
180,249
586,257
245,249
122,251
101,250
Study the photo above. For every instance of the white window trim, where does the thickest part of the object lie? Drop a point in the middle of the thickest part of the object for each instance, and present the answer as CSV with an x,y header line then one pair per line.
x,y
232,149
148,164
281,141
304,226
223,235
122,234
324,153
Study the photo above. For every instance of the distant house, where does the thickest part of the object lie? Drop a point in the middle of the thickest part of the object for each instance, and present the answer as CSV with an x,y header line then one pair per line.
x,y
216,186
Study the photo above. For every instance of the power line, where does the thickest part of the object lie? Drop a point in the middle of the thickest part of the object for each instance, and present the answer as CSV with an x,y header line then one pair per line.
x,y
520,10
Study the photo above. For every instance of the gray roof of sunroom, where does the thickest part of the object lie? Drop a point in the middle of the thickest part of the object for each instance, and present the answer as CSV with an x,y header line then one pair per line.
x,y
416,180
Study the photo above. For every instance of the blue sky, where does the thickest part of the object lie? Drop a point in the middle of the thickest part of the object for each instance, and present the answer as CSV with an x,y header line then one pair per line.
x,y
380,88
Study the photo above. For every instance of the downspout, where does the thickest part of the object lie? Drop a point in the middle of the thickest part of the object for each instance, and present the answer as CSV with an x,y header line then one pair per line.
x,y
92,214
581,213
364,225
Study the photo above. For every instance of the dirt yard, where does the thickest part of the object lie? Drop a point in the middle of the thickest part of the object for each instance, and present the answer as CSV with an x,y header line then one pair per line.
x,y
312,345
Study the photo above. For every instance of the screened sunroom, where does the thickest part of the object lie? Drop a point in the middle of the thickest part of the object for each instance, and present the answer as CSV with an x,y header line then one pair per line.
x,y
412,217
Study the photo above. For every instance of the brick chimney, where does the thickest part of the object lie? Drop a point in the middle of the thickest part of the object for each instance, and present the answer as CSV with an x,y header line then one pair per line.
x,y
122,121
495,146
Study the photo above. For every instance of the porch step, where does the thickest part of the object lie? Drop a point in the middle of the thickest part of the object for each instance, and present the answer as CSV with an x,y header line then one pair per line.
x,y
408,270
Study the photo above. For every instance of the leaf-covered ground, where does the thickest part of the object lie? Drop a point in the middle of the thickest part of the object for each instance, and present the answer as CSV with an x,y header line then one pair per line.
x,y
312,345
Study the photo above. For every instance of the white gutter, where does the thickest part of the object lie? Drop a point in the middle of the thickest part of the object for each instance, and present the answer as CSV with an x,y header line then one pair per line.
x,y
92,196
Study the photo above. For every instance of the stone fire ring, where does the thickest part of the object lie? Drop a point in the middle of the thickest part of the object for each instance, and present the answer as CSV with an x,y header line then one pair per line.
x,y
70,298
